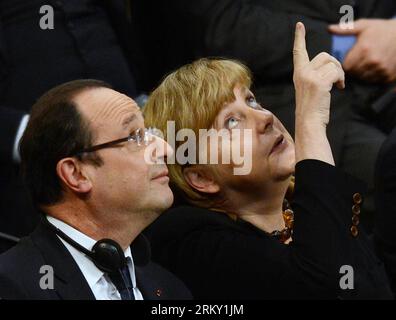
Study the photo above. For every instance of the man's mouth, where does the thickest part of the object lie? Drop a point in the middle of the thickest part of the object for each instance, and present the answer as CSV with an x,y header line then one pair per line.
x,y
162,175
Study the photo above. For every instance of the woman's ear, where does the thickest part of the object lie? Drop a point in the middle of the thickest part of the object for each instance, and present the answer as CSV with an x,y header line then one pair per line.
x,y
201,179
69,170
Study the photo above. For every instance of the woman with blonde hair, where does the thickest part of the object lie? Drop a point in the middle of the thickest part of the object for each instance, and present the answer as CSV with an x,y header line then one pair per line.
x,y
238,238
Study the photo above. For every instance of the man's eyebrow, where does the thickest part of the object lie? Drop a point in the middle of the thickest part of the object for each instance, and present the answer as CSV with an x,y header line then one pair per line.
x,y
128,120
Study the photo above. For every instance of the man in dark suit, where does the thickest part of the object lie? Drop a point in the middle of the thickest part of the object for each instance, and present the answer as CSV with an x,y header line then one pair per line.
x,y
260,33
84,159
90,39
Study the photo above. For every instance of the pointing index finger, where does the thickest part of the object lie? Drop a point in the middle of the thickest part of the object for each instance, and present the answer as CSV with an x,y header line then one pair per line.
x,y
300,54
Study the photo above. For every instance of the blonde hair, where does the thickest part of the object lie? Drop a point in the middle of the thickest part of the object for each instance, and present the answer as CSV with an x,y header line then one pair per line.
x,y
192,96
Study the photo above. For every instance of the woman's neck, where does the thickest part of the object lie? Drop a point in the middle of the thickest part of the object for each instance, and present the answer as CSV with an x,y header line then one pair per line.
x,y
264,221
264,210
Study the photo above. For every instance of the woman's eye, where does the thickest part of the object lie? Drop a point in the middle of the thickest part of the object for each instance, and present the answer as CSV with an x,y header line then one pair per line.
x,y
252,102
231,123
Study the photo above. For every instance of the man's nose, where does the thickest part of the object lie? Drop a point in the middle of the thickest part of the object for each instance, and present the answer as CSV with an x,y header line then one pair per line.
x,y
163,149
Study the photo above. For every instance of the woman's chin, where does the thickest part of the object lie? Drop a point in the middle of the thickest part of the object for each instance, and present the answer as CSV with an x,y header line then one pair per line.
x,y
283,174
285,163
284,168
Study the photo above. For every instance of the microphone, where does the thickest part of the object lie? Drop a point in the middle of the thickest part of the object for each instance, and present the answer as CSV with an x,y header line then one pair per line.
x,y
106,254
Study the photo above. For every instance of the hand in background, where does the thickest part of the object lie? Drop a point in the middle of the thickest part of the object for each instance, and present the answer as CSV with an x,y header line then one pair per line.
x,y
373,57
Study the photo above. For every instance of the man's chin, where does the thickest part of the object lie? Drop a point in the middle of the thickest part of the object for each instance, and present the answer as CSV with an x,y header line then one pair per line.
x,y
165,201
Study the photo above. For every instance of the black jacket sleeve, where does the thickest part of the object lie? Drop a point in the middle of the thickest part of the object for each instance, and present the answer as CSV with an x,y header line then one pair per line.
x,y
323,237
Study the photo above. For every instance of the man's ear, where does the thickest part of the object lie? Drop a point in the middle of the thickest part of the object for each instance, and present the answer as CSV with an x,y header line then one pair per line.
x,y
69,170
200,179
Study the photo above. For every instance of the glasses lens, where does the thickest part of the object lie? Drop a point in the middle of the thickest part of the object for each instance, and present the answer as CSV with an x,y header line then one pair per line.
x,y
156,132
146,136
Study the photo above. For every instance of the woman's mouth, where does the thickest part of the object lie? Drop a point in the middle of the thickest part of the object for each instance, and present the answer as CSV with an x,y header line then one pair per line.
x,y
279,144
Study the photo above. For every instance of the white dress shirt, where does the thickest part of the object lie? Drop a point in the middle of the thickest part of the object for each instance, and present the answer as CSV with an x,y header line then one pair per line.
x,y
98,281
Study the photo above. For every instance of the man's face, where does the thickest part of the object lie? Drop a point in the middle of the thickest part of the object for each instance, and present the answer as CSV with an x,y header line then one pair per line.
x,y
125,182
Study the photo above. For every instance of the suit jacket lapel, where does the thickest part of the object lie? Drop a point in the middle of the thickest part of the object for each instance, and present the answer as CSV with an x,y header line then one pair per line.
x,y
146,285
141,252
69,282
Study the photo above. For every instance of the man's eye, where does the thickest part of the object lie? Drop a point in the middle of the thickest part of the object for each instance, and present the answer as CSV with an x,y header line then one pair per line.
x,y
232,122
137,134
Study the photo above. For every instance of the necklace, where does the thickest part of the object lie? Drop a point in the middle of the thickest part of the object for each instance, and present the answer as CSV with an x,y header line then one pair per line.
x,y
281,235
288,216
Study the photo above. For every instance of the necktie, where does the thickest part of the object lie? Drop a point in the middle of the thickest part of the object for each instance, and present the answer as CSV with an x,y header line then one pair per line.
x,y
123,282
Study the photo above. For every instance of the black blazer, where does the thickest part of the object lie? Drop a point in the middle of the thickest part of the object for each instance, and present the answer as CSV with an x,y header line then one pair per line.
x,y
20,266
385,195
218,258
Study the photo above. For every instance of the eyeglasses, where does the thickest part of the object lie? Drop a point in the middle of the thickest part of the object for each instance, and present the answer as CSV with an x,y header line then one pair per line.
x,y
141,136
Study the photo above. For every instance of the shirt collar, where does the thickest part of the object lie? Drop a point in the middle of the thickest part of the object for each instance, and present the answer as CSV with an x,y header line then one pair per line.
x,y
131,265
91,273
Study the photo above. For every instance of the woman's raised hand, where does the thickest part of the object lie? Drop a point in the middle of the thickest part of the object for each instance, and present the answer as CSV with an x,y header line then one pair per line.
x,y
313,81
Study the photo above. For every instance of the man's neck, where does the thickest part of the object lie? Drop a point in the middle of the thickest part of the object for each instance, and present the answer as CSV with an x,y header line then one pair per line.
x,y
120,227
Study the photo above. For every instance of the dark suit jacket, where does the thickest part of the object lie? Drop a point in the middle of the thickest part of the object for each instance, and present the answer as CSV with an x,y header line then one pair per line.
x,y
219,258
261,34
385,188
20,267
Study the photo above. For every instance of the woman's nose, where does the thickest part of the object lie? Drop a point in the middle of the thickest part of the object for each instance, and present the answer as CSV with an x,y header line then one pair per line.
x,y
265,121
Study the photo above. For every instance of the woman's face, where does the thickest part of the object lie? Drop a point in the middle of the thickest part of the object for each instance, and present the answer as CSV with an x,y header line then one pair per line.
x,y
270,147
